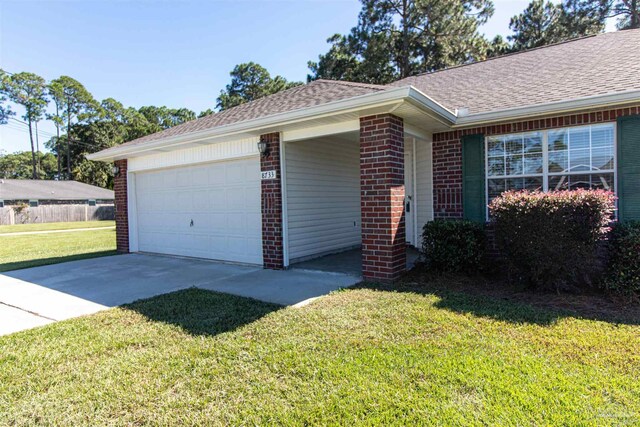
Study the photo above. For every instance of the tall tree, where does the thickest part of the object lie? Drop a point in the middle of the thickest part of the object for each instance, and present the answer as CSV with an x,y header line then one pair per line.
x,y
30,91
56,92
250,81
77,104
399,38
627,12
543,23
206,112
5,110
164,118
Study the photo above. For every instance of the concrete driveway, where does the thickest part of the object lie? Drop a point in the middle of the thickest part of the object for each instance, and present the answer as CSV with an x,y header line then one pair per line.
x,y
41,295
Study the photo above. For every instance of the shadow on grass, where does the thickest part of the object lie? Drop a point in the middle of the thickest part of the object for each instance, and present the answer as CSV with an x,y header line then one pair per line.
x,y
19,265
202,312
484,298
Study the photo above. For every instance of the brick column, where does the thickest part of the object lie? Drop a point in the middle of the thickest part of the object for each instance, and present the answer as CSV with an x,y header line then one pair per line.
x,y
384,255
121,206
272,244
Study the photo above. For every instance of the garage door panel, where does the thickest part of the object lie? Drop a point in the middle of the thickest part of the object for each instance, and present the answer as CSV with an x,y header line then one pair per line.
x,y
222,199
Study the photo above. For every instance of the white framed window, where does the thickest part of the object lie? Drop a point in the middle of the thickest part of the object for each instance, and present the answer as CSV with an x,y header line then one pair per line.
x,y
33,203
556,159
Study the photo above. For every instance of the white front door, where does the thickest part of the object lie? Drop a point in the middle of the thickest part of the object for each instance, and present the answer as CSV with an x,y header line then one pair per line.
x,y
204,211
409,202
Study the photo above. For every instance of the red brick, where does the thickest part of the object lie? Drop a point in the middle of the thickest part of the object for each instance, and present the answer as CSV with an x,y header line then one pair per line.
x,y
271,190
382,197
121,206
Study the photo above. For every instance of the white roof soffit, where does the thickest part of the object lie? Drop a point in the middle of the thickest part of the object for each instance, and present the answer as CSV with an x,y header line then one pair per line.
x,y
559,107
390,99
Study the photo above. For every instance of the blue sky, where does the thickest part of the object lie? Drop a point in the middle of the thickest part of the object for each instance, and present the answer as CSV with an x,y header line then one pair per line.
x,y
173,53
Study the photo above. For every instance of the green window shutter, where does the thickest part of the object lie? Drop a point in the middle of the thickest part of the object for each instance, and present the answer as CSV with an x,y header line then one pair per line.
x,y
629,168
473,179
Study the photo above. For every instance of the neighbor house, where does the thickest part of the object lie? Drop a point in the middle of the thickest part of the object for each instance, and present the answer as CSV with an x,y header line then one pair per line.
x,y
335,165
34,200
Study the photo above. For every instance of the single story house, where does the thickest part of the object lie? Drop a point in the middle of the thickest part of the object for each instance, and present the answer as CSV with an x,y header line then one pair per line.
x,y
33,200
334,165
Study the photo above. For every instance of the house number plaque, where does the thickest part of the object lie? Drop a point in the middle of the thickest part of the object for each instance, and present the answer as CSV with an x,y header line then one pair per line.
x,y
268,174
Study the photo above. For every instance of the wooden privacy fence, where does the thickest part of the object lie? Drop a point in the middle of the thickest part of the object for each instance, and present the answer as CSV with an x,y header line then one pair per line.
x,y
56,213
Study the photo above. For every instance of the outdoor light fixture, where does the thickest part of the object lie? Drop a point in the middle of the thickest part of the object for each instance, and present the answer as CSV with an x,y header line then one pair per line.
x,y
116,170
263,148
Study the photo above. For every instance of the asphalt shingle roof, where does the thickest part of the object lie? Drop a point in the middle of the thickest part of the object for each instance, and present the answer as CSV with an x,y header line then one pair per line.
x,y
602,64
315,93
30,189
596,65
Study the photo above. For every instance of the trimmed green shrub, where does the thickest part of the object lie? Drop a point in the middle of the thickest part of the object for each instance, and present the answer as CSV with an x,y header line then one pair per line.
x,y
550,240
453,245
623,276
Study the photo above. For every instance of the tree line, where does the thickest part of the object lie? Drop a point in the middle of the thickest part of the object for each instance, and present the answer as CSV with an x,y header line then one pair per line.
x,y
392,39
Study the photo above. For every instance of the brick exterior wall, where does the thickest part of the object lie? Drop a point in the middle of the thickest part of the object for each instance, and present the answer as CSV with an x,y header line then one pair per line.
x,y
447,152
121,205
382,197
272,243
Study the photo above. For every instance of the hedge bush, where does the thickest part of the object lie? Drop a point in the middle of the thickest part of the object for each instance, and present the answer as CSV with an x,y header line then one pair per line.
x,y
623,276
550,240
453,245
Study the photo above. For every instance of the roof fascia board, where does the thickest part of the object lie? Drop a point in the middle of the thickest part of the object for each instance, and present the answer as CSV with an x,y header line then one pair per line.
x,y
425,102
596,101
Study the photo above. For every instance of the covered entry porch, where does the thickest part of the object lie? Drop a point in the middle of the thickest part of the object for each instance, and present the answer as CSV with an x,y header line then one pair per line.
x,y
355,201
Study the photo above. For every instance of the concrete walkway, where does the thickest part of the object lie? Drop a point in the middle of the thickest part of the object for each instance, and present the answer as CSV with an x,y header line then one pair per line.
x,y
71,230
41,295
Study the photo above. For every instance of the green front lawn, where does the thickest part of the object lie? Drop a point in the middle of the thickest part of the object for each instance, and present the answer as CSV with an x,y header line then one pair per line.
x,y
18,228
361,356
30,250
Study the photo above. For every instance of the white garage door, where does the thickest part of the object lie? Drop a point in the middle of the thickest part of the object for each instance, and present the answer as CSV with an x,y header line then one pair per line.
x,y
206,211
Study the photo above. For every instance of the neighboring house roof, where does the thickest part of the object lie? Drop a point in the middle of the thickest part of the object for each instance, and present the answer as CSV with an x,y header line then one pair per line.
x,y
31,189
595,65
580,69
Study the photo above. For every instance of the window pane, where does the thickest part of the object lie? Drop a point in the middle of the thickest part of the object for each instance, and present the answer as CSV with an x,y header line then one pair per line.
x,y
579,160
514,165
515,184
558,182
514,144
558,161
578,138
495,147
495,187
558,140
533,143
533,184
496,166
579,181
532,163
602,158
603,181
602,136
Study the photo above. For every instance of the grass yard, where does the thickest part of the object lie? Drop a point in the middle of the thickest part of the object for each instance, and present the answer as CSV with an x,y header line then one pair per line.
x,y
365,356
18,228
30,250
